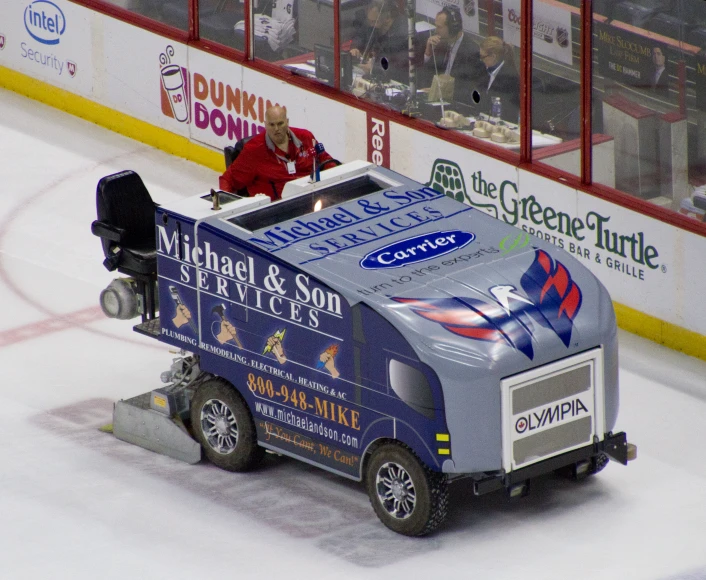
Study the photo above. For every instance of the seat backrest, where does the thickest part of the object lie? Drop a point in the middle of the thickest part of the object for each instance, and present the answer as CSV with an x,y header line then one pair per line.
x,y
634,13
232,151
122,200
669,26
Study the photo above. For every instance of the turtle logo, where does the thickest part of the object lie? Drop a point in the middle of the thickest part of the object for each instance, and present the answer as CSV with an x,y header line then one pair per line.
x,y
447,177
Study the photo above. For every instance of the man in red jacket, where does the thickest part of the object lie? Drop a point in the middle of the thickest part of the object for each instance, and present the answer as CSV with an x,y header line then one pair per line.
x,y
271,159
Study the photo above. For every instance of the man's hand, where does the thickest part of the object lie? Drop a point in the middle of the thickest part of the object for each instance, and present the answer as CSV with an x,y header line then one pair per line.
x,y
432,43
366,66
355,53
275,345
183,316
227,333
328,360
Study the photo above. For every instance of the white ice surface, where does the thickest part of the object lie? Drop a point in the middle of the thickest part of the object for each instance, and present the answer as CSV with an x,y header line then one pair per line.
x,y
78,504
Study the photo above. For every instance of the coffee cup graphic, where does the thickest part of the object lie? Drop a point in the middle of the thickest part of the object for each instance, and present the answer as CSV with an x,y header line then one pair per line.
x,y
173,83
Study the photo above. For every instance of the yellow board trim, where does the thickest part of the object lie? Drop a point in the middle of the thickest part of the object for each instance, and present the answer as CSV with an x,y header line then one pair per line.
x,y
629,319
444,451
443,437
656,330
111,119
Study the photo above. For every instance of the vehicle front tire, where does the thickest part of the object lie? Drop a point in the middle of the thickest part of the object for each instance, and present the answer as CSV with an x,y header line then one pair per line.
x,y
223,425
407,496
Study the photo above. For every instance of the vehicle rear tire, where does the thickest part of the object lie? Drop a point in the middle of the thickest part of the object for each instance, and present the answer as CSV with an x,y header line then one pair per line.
x,y
223,425
407,496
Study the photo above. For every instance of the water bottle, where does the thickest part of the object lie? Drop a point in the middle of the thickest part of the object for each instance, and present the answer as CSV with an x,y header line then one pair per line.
x,y
316,167
496,108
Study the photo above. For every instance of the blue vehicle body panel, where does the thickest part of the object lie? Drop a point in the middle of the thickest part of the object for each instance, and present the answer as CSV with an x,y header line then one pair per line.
x,y
392,315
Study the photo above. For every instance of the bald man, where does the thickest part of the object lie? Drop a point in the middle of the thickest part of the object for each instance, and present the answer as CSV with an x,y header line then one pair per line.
x,y
271,159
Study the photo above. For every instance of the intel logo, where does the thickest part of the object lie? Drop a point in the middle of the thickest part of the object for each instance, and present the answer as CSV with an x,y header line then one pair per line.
x,y
45,21
416,249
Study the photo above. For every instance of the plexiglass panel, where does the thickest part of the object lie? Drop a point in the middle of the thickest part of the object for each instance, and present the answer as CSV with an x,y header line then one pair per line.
x,y
223,22
556,91
276,25
650,88
172,12
423,59
310,54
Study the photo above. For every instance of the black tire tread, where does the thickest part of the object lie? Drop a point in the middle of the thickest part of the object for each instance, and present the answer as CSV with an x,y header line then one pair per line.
x,y
247,453
436,483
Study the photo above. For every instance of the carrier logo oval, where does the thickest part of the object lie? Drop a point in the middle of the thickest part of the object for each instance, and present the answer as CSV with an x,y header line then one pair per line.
x,y
45,22
416,249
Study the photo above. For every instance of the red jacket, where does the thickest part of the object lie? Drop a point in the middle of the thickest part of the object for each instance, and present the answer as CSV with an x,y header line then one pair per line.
x,y
262,167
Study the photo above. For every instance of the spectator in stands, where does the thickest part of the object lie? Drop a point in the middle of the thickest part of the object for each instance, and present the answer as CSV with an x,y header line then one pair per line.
x,y
449,51
381,43
501,78
271,159
660,78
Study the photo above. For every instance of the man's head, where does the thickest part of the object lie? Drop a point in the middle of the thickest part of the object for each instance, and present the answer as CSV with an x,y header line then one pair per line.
x,y
658,57
448,24
381,14
492,51
277,125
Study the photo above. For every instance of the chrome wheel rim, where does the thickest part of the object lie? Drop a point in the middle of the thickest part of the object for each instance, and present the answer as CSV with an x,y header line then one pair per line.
x,y
395,490
219,426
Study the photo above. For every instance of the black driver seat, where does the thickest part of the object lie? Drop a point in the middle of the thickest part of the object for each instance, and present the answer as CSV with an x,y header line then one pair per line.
x,y
125,224
126,228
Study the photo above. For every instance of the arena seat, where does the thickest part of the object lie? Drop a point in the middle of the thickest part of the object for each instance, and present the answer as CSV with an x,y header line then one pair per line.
x,y
633,13
692,11
231,152
604,7
669,26
697,37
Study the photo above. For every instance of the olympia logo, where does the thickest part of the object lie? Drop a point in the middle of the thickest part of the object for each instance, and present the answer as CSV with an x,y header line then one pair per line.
x,y
549,415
